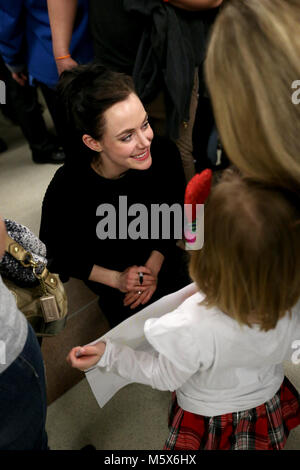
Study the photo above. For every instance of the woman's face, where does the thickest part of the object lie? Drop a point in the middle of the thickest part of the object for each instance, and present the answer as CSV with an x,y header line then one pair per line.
x,y
127,138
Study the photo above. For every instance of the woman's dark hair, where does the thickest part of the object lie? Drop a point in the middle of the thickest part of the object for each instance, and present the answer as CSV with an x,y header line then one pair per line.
x,y
85,93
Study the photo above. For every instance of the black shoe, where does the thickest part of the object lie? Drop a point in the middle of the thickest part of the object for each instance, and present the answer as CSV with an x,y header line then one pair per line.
x,y
88,447
57,156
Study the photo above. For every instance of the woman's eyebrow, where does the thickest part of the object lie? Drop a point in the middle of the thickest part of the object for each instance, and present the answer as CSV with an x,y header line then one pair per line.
x,y
128,131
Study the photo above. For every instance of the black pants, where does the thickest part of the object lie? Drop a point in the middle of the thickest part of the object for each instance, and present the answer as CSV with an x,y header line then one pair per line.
x,y
25,110
58,114
172,277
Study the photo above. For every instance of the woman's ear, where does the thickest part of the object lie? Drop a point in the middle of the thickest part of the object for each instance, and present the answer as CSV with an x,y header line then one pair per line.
x,y
91,143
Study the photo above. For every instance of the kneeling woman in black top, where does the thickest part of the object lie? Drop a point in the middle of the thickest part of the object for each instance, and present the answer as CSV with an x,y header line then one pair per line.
x,y
100,215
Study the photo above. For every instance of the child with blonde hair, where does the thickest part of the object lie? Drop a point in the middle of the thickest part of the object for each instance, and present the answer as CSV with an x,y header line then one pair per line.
x,y
222,349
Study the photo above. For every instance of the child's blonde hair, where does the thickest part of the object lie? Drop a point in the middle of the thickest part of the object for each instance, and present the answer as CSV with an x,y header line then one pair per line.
x,y
252,61
249,266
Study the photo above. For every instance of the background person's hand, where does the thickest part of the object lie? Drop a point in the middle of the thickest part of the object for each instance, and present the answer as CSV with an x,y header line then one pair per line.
x,y
19,77
65,64
129,280
83,358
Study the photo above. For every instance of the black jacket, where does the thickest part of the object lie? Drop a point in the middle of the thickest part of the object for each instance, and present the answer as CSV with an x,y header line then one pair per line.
x,y
172,46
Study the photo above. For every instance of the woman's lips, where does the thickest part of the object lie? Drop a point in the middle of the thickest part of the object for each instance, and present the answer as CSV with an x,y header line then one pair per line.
x,y
142,156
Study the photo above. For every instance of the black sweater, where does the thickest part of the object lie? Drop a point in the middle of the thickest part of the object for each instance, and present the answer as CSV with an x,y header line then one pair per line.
x,y
69,219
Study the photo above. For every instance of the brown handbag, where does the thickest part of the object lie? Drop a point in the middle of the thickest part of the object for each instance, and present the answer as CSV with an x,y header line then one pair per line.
x,y
45,304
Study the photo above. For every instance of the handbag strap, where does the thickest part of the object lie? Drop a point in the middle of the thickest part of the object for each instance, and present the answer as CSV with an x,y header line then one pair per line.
x,y
17,251
25,258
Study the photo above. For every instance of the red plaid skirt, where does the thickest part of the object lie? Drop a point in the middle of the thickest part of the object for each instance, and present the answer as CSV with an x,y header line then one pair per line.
x,y
265,427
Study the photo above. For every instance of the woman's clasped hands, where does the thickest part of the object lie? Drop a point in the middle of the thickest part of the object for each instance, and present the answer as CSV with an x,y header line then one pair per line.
x,y
139,283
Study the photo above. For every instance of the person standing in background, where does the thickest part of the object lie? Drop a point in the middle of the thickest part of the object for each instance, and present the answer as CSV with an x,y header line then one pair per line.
x,y
26,48
23,109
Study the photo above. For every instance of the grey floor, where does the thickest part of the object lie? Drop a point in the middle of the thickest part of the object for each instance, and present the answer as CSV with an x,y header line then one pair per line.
x,y
136,418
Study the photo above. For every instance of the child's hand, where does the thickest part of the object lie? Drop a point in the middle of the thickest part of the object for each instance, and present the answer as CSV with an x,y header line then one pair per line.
x,y
83,358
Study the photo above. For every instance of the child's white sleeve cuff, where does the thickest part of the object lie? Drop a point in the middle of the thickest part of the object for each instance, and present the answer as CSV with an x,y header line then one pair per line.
x,y
104,361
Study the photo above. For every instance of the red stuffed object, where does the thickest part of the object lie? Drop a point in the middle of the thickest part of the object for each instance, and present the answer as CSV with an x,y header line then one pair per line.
x,y
197,191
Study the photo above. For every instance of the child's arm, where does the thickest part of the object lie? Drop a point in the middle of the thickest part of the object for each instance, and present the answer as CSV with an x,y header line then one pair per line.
x,y
137,366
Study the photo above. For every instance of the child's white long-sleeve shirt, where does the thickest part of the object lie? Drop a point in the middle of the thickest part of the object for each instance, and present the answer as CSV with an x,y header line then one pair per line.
x,y
215,365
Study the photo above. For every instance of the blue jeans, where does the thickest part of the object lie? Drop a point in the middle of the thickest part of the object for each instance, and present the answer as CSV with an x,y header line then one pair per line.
x,y
23,403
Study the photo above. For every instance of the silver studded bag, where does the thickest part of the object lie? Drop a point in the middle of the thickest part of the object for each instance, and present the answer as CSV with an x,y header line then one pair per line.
x,y
39,294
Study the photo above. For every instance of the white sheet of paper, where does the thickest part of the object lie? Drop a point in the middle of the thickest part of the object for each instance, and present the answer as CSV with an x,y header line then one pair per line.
x,y
105,384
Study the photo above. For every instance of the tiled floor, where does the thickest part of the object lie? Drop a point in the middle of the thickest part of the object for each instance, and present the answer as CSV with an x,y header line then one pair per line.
x,y
136,418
